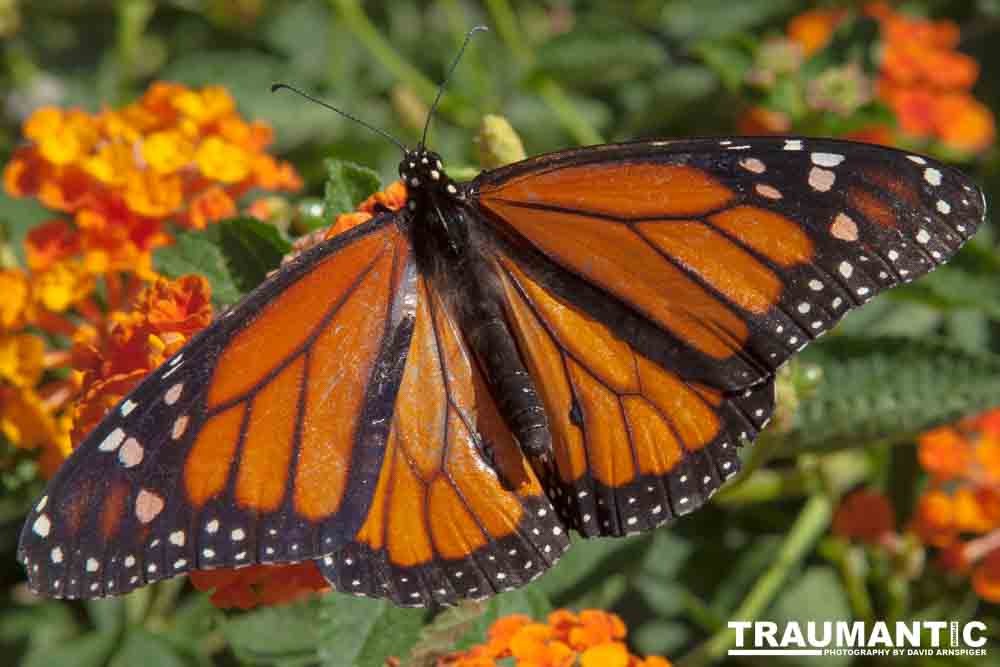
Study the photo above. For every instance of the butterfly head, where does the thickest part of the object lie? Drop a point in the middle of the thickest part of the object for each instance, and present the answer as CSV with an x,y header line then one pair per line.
x,y
421,170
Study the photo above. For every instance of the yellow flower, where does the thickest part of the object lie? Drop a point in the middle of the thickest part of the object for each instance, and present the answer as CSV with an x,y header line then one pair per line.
x,y
14,304
112,163
153,195
62,286
220,160
168,151
21,358
205,106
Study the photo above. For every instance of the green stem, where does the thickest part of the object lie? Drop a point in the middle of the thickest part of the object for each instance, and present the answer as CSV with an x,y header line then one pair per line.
x,y
551,92
574,122
505,23
809,526
360,25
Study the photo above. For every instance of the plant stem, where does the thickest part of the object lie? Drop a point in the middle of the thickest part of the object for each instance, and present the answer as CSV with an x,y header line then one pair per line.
x,y
551,92
360,25
812,522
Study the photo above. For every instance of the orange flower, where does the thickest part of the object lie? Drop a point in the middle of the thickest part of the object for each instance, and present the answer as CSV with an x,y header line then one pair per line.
x,y
593,638
934,520
864,515
944,453
762,121
51,242
15,302
21,359
392,198
248,587
964,123
986,578
814,29
212,205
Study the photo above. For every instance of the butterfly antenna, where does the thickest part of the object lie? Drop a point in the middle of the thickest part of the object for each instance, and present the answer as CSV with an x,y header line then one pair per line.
x,y
447,78
278,86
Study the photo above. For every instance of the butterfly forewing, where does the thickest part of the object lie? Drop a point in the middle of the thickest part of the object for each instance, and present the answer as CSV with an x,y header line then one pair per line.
x,y
655,287
254,444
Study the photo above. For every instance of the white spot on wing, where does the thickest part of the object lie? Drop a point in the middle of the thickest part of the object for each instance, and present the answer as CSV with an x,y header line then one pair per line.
x,y
112,441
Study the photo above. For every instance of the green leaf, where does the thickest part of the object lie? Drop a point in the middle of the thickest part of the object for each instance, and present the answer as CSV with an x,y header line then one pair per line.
x,y
196,253
710,19
251,249
890,388
144,648
107,615
347,185
661,637
17,217
360,632
287,635
816,595
587,564
604,55
444,632
953,288
92,650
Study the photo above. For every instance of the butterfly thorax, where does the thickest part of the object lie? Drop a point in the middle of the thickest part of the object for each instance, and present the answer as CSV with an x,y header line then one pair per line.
x,y
423,174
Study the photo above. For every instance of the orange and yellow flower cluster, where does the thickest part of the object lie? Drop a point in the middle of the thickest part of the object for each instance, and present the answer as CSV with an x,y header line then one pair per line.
x,y
958,512
921,79
121,180
592,638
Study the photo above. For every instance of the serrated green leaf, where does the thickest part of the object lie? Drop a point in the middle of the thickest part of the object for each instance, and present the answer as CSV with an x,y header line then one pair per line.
x,y
347,185
361,632
196,253
890,388
251,249
140,647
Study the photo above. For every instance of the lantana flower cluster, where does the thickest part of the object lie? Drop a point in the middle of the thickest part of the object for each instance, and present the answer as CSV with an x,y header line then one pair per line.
x,y
958,512
591,638
88,316
922,83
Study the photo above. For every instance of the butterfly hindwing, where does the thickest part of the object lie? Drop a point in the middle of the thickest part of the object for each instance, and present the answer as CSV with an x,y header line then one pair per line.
x,y
458,512
253,444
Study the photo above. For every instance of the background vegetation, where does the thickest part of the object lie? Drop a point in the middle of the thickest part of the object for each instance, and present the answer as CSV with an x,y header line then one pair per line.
x,y
794,538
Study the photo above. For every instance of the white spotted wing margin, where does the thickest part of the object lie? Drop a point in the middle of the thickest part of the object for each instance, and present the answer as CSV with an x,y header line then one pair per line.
x,y
117,515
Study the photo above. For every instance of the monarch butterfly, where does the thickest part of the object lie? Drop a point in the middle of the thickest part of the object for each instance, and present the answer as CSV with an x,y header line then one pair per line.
x,y
426,404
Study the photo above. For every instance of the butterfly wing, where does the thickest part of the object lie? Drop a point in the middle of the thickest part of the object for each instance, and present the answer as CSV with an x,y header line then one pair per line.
x,y
256,443
458,511
654,289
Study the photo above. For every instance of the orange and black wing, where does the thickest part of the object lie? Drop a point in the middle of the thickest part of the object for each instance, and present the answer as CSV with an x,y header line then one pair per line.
x,y
654,289
259,442
458,511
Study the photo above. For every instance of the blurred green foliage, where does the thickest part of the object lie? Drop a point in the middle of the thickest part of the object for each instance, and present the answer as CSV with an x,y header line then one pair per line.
x,y
563,73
